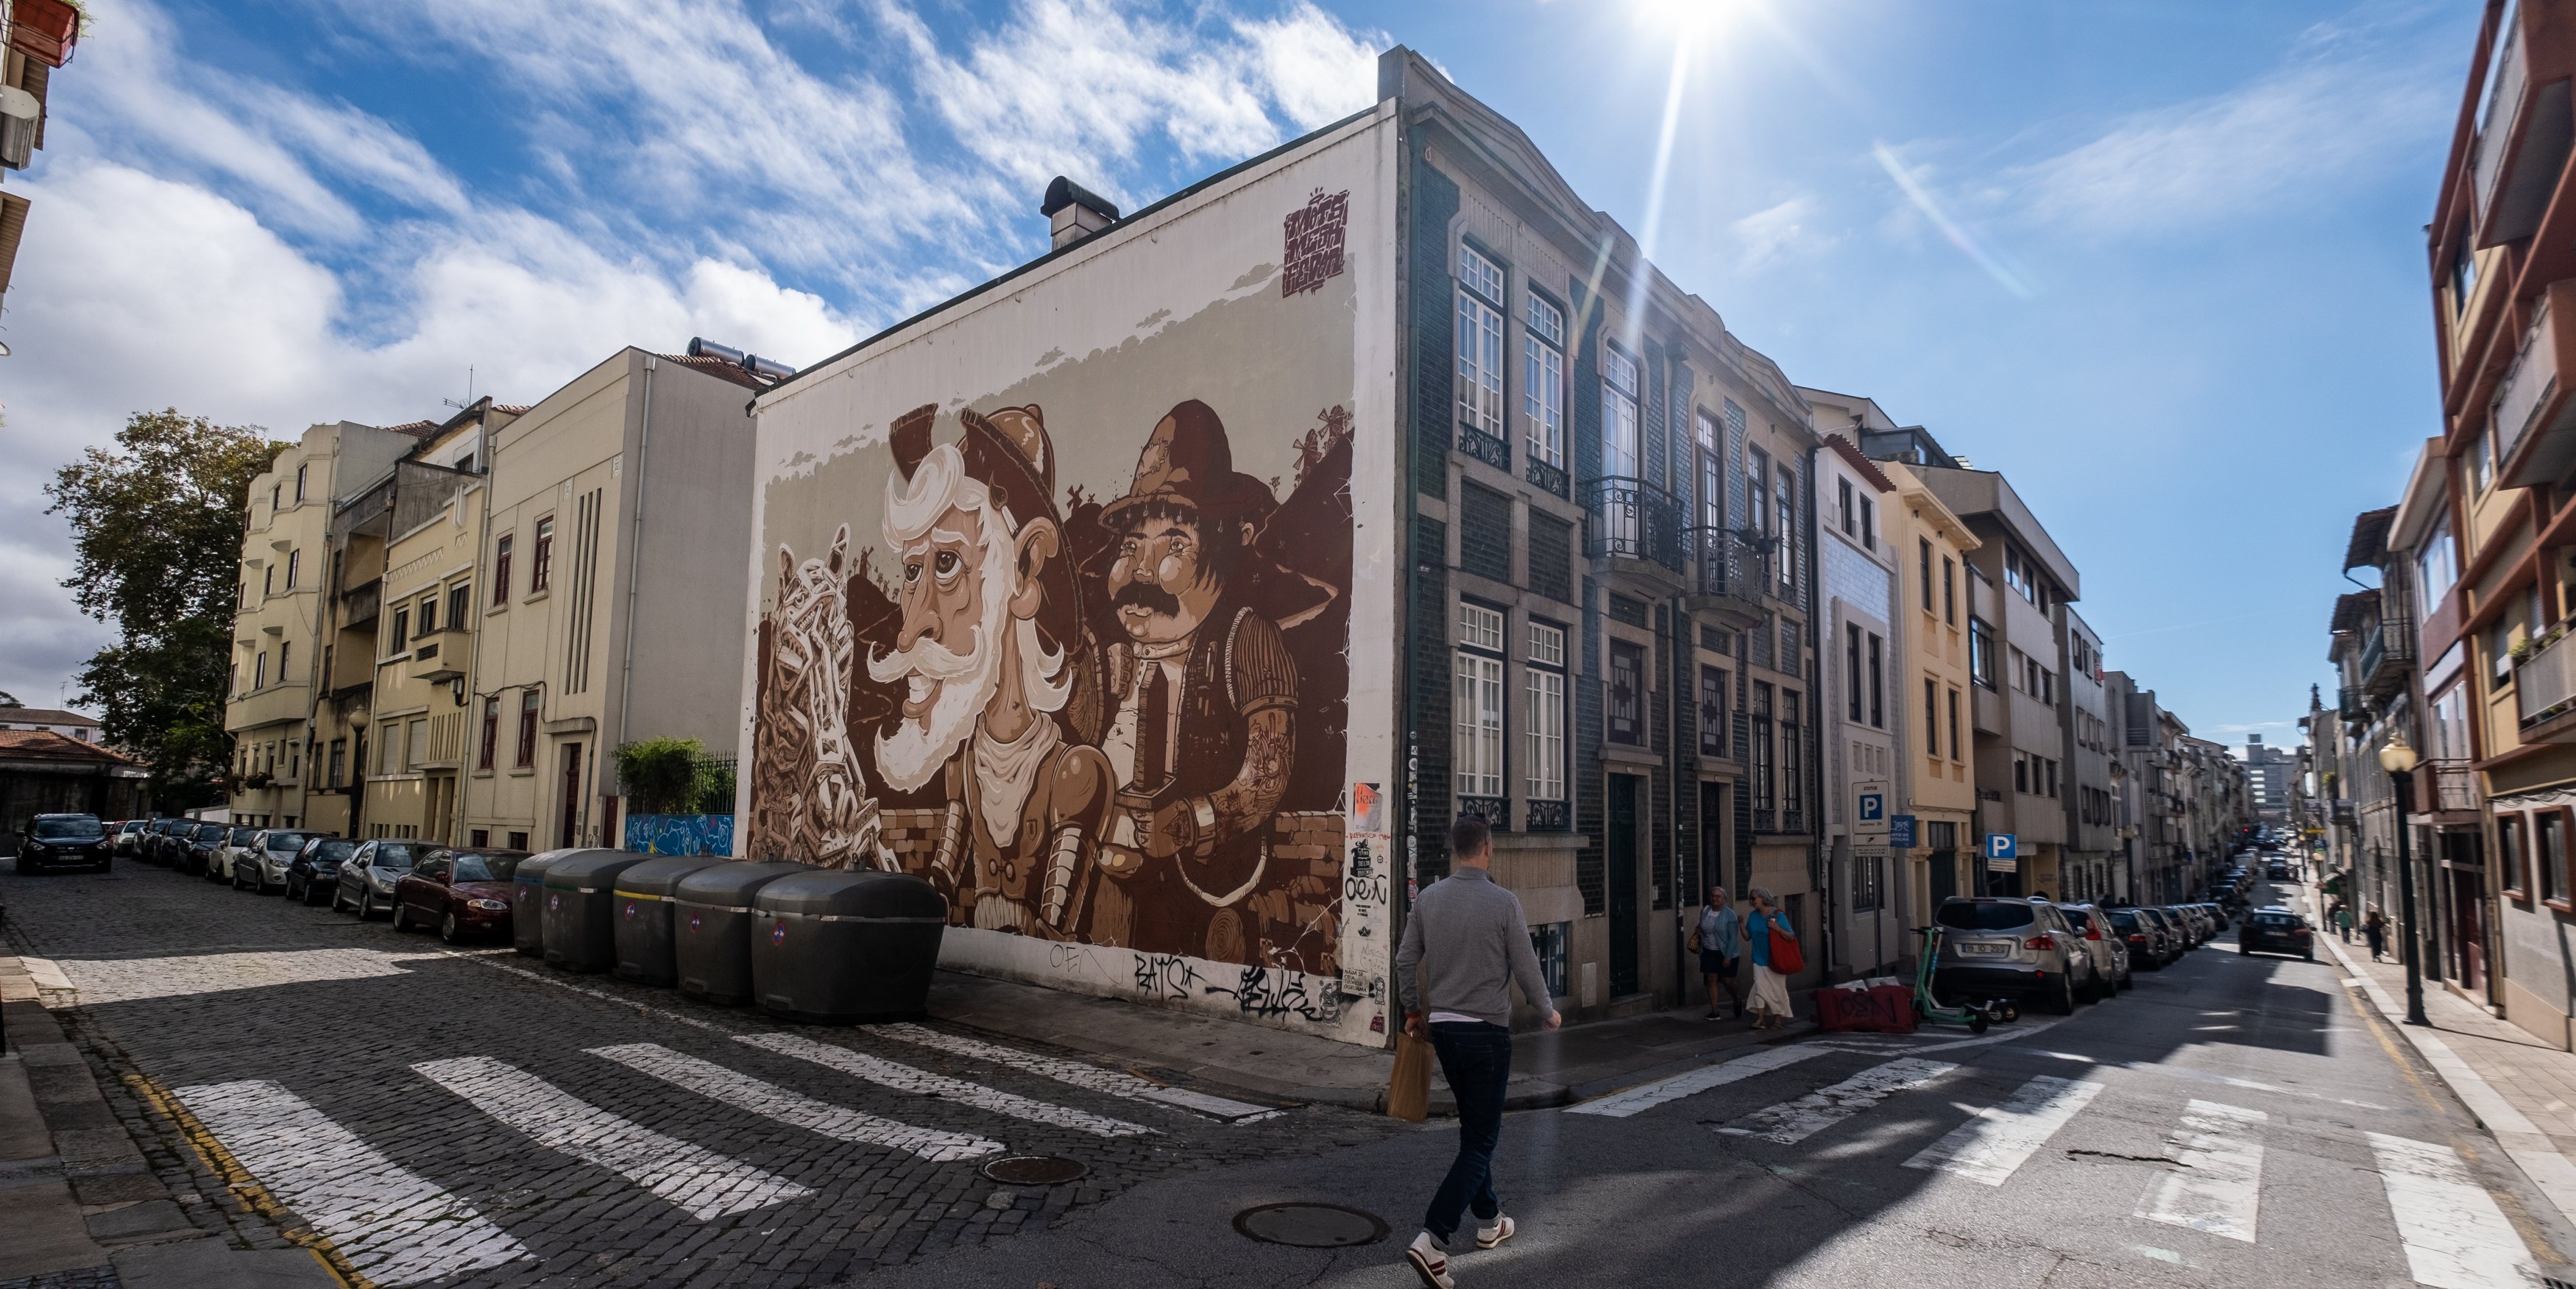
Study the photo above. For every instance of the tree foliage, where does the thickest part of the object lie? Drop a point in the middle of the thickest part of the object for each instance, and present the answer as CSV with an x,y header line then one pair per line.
x,y
157,531
672,776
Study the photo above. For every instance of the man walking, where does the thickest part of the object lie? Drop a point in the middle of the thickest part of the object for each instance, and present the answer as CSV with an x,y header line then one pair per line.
x,y
1721,948
1469,944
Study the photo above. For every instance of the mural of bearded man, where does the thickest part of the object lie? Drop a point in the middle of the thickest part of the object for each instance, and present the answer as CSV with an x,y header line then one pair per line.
x,y
996,670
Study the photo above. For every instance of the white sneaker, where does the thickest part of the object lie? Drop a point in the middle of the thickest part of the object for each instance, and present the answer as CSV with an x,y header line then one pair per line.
x,y
1502,1229
1430,1261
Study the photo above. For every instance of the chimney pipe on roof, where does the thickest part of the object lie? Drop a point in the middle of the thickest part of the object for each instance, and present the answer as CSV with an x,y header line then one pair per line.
x,y
1074,212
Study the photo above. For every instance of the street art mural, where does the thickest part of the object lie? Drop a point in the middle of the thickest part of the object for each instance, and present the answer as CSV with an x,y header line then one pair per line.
x,y
1068,635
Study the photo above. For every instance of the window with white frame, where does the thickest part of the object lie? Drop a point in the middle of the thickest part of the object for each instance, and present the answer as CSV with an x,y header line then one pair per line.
x,y
1480,343
1543,676
1621,438
1479,715
1543,381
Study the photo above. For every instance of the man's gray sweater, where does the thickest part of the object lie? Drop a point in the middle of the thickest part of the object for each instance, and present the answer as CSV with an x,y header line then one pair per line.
x,y
1472,931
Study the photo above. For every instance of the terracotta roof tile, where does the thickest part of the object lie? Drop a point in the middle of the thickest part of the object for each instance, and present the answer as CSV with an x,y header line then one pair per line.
x,y
43,716
46,745
720,369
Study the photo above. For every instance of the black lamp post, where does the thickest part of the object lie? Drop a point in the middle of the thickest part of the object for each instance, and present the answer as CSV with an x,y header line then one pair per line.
x,y
2399,760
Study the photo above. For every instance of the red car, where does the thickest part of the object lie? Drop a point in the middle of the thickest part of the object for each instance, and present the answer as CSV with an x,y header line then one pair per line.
x,y
463,892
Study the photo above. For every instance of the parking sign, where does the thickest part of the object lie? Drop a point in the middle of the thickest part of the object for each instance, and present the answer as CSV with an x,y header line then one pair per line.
x,y
1869,809
2000,845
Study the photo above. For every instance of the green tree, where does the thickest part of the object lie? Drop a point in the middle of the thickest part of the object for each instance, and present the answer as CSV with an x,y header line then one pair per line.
x,y
157,528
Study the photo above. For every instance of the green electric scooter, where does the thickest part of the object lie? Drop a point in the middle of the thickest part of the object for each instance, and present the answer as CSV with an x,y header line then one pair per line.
x,y
1976,1018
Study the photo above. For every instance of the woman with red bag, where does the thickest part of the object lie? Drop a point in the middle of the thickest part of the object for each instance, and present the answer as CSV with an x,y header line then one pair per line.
x,y
1774,945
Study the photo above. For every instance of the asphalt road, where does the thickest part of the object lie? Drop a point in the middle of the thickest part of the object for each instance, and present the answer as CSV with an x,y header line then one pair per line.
x,y
471,1119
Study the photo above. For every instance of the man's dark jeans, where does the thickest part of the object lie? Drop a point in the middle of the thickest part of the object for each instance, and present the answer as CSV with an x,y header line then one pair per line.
x,y
1476,1058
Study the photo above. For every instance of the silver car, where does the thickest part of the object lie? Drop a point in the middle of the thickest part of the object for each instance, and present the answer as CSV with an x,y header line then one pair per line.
x,y
261,866
236,843
367,878
2102,940
1997,947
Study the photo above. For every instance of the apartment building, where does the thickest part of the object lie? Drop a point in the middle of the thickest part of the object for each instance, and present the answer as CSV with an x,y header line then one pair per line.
x,y
1861,714
279,624
429,515
2273,774
618,518
2087,870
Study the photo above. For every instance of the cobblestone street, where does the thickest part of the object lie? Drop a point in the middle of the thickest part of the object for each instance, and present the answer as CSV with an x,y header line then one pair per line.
x,y
471,1117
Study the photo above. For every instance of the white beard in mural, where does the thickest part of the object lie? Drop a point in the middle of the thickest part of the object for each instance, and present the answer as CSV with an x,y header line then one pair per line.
x,y
965,681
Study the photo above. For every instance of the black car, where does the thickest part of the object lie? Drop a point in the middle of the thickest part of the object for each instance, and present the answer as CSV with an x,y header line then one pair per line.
x,y
2149,946
2277,930
63,841
201,843
315,870
168,843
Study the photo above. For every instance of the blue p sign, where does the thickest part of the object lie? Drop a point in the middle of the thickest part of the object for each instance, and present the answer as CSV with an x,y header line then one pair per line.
x,y
1873,807
2000,845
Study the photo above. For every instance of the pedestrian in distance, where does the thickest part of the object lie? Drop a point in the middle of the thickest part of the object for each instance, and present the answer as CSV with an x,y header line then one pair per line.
x,y
1771,1008
1721,949
2374,928
2343,921
1464,947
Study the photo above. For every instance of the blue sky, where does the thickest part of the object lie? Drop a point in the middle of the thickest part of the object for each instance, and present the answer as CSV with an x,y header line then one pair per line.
x,y
2175,288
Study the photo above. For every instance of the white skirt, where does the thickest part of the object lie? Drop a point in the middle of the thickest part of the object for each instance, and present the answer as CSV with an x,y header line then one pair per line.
x,y
1770,991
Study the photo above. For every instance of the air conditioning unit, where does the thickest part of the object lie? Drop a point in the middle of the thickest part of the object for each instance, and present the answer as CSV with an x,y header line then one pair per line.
x,y
20,112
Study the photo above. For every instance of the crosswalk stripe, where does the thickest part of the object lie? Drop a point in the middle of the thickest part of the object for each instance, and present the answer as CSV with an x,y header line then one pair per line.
x,y
1990,1146
394,1226
2217,1180
1647,1096
768,1100
702,1183
1791,1122
1079,1074
904,1078
2456,1237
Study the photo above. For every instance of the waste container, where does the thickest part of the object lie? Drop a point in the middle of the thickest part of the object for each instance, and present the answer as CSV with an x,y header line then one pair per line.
x,y
581,908
838,948
528,902
643,934
711,928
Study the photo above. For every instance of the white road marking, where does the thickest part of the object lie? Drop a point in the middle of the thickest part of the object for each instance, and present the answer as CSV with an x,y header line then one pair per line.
x,y
2217,1182
394,1226
701,1182
1885,1044
904,1078
1791,1122
2001,1137
1116,1083
1646,1096
123,980
2456,1237
768,1100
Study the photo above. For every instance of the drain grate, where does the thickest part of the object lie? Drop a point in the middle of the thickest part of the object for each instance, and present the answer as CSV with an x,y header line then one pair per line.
x,y
1035,1170
1310,1226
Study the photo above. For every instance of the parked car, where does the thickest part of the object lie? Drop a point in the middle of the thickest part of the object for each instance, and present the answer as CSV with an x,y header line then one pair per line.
x,y
62,841
316,868
262,864
367,877
167,843
2110,956
464,893
2195,924
2143,938
203,841
2277,870
1994,947
2277,930
219,863
126,840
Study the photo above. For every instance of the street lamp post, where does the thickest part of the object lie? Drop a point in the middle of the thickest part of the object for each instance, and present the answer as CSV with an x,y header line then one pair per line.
x,y
2399,760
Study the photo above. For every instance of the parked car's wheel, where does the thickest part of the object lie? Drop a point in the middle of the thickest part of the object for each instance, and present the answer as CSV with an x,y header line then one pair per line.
x,y
448,930
402,917
366,906
2060,1001
337,903
312,896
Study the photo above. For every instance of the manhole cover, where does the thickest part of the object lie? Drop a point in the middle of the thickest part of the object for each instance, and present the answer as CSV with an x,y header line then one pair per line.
x,y
1311,1226
1034,1170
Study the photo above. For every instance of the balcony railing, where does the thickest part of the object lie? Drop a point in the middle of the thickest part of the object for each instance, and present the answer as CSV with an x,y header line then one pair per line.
x,y
2544,683
2385,656
2503,113
2527,385
1632,519
2455,784
2351,706
1730,562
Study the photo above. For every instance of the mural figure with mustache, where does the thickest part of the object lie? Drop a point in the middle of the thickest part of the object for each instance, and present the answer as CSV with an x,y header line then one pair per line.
x,y
1000,697
1202,735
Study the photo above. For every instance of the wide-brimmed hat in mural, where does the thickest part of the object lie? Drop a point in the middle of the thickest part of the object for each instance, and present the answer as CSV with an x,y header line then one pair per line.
x,y
1188,462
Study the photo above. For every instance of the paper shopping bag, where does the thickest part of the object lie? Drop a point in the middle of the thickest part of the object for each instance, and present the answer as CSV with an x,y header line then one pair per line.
x,y
1408,1090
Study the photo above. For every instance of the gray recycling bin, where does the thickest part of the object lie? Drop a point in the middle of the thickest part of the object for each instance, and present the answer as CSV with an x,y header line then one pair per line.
x,y
528,902
643,934
711,928
581,908
839,948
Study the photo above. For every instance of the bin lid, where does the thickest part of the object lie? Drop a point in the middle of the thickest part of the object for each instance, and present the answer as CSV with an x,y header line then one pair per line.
x,y
864,895
657,877
729,886
532,870
589,870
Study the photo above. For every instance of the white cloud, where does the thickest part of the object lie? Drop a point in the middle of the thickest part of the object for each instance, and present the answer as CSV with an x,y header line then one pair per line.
x,y
1778,230
2289,135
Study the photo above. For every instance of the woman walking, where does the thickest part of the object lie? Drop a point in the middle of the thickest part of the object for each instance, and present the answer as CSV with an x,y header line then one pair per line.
x,y
2375,929
1765,929
1721,947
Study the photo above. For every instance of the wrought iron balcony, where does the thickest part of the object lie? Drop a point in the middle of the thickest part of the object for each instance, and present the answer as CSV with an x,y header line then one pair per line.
x,y
1632,519
1731,573
2386,657
2350,706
